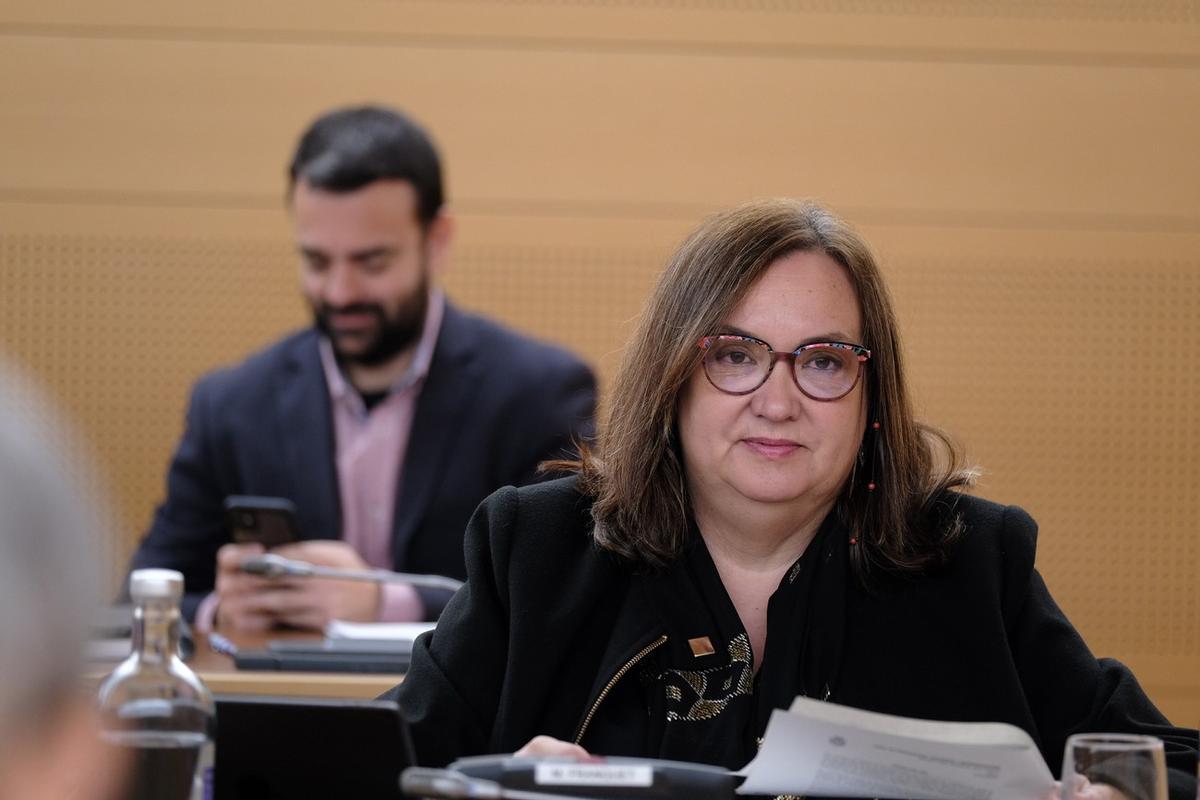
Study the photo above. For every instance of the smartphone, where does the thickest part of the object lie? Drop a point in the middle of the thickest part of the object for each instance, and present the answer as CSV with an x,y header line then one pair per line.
x,y
270,521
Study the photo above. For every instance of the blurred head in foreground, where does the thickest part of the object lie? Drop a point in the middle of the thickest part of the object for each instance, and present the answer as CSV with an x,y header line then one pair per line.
x,y
48,583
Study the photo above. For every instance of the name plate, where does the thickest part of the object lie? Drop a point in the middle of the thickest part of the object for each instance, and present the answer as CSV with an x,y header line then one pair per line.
x,y
593,775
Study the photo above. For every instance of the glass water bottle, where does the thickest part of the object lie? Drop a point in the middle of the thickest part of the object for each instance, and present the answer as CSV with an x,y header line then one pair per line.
x,y
154,706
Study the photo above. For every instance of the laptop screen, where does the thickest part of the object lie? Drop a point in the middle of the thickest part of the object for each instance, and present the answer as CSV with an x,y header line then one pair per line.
x,y
276,748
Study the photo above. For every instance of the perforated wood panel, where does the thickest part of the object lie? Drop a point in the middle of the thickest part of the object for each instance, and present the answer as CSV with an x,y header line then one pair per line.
x,y
1070,383
1027,172
119,326
586,298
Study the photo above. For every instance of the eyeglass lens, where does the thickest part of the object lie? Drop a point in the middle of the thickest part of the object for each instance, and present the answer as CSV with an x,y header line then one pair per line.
x,y
739,366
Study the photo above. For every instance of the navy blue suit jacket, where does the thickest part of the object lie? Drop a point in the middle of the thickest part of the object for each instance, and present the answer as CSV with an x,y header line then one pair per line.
x,y
494,405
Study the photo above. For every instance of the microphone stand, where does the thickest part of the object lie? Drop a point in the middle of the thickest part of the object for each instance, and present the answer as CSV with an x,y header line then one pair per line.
x,y
270,565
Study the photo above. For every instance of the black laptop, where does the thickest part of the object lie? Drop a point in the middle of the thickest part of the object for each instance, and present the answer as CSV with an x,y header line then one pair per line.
x,y
275,748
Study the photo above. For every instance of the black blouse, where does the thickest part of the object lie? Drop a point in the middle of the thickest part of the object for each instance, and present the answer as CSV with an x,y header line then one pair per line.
x,y
697,697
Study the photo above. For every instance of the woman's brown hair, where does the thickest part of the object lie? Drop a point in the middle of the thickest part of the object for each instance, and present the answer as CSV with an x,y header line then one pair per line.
x,y
634,471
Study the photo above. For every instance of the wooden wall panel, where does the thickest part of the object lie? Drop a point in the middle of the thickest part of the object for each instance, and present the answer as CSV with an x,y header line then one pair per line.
x,y
885,135
1026,171
1150,31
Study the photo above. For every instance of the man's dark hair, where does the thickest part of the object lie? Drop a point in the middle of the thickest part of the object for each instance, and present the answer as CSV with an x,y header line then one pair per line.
x,y
346,149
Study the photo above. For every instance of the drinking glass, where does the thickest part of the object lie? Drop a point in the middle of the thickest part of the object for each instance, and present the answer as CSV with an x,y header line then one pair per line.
x,y
1095,763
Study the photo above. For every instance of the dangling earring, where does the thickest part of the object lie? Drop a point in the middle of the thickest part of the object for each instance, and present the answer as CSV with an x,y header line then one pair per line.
x,y
862,458
860,461
874,450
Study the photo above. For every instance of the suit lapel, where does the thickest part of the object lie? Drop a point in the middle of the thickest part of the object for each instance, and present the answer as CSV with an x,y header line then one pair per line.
x,y
307,447
444,400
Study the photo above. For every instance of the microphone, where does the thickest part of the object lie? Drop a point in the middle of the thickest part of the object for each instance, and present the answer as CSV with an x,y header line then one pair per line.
x,y
271,565
450,785
444,783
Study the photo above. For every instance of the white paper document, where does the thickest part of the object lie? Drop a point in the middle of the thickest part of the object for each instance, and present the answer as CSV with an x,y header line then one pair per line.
x,y
825,749
379,631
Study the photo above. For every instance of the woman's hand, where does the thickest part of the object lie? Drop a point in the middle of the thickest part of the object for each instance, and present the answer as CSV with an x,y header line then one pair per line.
x,y
1083,789
549,746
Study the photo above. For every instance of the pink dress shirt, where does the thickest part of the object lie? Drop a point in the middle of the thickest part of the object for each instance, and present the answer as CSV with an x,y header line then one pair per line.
x,y
370,459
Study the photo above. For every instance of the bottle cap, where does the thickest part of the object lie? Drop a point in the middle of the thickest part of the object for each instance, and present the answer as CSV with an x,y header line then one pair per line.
x,y
156,584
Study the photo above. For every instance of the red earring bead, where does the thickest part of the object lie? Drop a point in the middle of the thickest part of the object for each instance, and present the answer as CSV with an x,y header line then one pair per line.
x,y
853,540
871,486
875,425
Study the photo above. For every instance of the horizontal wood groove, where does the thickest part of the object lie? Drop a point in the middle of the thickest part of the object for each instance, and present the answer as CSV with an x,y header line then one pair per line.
x,y
1172,11
688,212
582,44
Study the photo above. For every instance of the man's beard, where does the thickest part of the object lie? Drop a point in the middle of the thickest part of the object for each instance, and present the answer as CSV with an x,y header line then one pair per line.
x,y
391,336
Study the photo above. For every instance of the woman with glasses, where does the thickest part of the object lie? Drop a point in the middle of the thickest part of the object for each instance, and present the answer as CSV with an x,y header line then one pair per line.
x,y
760,517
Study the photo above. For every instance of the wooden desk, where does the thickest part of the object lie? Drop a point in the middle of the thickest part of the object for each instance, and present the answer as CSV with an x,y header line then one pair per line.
x,y
222,677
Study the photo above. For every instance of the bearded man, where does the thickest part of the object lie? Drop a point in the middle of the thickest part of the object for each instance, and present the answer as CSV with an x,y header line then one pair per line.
x,y
385,423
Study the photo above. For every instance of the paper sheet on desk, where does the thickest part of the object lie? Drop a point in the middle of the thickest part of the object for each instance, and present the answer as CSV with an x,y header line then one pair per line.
x,y
818,748
393,631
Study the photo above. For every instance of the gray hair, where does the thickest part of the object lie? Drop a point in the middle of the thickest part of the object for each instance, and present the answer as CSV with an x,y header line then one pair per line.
x,y
49,573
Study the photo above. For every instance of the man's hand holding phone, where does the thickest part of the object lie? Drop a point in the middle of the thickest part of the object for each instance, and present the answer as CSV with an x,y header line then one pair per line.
x,y
243,601
253,603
